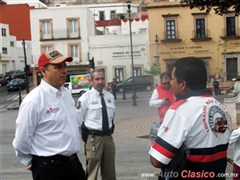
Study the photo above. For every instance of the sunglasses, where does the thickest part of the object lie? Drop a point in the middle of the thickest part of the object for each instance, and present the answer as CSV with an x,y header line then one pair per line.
x,y
166,83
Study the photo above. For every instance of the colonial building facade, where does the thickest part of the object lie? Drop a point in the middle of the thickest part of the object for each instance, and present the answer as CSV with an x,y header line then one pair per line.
x,y
176,32
71,30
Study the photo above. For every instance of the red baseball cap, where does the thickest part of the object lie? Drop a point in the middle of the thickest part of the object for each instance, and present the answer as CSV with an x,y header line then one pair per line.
x,y
52,57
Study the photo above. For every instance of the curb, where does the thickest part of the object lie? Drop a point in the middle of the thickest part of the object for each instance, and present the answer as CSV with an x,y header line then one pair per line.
x,y
13,108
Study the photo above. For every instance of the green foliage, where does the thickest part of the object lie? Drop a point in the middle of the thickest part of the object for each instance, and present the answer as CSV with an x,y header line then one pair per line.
x,y
219,6
230,89
155,70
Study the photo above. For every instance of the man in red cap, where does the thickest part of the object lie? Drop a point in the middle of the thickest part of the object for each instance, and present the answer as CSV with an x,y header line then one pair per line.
x,y
47,137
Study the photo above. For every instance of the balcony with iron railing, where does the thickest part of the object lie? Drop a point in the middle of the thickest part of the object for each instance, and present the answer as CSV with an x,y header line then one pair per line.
x,y
171,38
230,35
204,35
59,34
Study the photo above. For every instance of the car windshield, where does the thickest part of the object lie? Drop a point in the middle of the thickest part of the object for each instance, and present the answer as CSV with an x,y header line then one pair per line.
x,y
129,80
10,72
14,81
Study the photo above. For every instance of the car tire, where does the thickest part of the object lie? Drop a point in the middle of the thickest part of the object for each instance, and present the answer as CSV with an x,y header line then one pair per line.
x,y
148,88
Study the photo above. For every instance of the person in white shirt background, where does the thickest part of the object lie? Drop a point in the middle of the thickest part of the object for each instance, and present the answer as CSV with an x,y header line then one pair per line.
x,y
47,136
162,96
235,141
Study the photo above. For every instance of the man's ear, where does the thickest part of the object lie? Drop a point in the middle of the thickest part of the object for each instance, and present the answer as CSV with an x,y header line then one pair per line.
x,y
42,70
184,85
185,88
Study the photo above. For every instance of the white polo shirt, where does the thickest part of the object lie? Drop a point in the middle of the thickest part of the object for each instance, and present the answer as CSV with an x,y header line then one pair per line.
x,y
46,124
235,140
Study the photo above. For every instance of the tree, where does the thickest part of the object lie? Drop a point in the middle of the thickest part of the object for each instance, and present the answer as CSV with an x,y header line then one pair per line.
x,y
220,6
155,70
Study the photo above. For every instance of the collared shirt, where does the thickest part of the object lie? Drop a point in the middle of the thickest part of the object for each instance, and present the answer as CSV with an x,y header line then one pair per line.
x,y
200,122
155,101
235,140
46,124
90,110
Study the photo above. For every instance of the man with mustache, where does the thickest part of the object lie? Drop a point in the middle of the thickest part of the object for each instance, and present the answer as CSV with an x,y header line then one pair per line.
x,y
96,109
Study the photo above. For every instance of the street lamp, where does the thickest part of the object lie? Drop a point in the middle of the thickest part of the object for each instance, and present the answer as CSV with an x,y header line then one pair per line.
x,y
26,69
156,55
130,30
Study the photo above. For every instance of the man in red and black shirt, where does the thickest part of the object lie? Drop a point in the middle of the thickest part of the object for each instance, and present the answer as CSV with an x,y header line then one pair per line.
x,y
196,119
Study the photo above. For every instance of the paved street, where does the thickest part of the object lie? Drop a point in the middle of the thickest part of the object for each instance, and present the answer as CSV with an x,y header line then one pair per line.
x,y
132,125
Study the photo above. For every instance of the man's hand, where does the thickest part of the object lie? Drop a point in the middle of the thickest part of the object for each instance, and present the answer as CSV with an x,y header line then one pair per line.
x,y
156,163
29,167
165,100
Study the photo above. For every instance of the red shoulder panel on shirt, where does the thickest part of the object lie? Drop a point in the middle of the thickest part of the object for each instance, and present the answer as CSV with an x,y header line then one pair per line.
x,y
177,104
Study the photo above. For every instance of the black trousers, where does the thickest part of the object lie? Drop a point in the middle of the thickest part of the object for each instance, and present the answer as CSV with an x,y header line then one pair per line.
x,y
57,168
114,92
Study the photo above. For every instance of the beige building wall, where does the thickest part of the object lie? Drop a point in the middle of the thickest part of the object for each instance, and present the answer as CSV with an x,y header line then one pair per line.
x,y
82,2
218,50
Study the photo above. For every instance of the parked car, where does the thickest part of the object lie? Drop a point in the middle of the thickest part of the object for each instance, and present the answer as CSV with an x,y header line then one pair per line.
x,y
16,84
141,82
3,80
15,74
236,78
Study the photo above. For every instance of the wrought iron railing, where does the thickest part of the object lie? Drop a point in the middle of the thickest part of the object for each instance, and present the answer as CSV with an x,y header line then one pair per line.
x,y
204,33
59,34
226,32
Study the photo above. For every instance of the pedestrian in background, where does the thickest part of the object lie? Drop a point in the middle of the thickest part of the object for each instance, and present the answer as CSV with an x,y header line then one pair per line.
x,y
235,141
162,96
196,120
114,88
47,136
96,109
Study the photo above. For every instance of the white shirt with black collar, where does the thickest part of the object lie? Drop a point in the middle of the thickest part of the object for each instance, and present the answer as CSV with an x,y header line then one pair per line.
x,y
89,109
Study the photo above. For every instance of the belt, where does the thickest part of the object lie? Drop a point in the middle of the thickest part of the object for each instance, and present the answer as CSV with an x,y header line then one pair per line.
x,y
58,157
99,132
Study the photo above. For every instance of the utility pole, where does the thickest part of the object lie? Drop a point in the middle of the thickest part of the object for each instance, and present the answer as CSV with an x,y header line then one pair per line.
x,y
130,30
26,69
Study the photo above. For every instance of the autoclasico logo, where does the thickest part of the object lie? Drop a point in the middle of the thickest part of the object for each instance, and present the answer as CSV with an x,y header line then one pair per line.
x,y
190,174
198,174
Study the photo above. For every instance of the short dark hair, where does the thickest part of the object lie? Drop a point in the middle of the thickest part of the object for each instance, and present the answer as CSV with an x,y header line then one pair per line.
x,y
96,70
165,75
192,70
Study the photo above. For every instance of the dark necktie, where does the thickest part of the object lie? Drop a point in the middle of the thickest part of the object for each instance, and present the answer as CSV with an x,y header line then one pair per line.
x,y
105,125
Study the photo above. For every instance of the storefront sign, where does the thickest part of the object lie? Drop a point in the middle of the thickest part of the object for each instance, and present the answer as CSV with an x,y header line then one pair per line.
x,y
190,50
125,55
